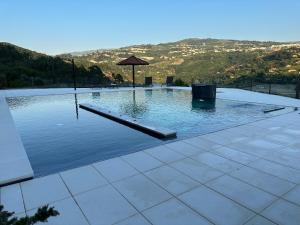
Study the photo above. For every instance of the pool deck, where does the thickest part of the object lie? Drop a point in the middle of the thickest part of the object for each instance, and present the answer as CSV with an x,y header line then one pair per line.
x,y
248,174
14,163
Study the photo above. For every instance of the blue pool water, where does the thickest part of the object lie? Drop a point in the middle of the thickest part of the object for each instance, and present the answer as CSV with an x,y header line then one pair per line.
x,y
58,135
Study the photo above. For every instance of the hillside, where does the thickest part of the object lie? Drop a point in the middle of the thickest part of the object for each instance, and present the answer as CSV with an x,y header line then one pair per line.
x,y
205,60
21,67
201,59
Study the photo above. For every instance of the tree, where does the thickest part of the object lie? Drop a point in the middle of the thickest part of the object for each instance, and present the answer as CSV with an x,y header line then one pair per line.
x,y
42,215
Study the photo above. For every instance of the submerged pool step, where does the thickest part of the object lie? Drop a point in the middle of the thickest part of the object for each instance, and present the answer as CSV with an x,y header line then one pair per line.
x,y
274,109
161,133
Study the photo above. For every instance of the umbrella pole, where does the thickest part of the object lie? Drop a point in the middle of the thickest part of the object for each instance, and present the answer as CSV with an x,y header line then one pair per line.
x,y
133,82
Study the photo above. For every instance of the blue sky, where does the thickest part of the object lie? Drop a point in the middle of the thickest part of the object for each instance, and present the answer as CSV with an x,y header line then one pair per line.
x,y
57,26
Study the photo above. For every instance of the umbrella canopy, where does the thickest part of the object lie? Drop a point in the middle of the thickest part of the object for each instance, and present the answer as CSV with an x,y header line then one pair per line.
x,y
132,61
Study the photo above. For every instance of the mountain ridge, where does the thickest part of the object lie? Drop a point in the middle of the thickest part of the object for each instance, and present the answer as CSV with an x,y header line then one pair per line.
x,y
80,53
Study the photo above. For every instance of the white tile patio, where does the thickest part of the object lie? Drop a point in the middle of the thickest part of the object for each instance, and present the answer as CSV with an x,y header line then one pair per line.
x,y
171,180
264,181
69,212
259,220
134,220
82,179
283,212
41,191
293,195
164,154
196,170
246,175
141,192
217,162
115,169
245,194
284,172
234,155
184,148
202,143
11,198
142,161
104,205
215,207
173,212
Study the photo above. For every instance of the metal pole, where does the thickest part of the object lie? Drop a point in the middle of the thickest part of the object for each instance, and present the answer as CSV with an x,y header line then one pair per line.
x,y
133,82
270,87
74,75
298,89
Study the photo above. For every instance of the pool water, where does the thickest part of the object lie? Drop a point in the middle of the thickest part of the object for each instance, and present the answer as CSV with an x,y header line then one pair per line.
x,y
58,135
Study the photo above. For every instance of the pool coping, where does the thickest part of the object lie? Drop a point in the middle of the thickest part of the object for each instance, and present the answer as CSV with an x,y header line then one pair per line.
x,y
14,162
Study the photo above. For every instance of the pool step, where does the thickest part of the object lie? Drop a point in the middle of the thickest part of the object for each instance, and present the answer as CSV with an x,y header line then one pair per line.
x,y
161,133
273,110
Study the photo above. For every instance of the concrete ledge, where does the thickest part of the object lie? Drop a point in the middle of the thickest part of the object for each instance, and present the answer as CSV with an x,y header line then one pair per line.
x,y
161,133
14,163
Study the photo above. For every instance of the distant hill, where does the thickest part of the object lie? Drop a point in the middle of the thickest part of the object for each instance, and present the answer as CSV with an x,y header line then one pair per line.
x,y
205,60
202,59
21,67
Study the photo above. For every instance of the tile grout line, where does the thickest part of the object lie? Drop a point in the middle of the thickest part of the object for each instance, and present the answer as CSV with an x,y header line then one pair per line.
x,y
111,184
205,184
73,197
22,198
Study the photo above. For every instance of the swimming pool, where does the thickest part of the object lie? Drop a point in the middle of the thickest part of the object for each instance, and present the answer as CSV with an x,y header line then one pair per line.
x,y
58,135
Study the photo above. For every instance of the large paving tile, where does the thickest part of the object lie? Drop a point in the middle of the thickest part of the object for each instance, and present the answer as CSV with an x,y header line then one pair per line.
x,y
141,192
292,130
278,170
11,198
242,193
293,195
82,179
69,213
259,220
217,138
142,161
217,162
115,169
290,151
258,147
283,212
45,190
264,181
217,208
202,143
185,148
196,170
231,135
284,158
164,154
281,138
235,155
171,180
134,220
173,212
104,205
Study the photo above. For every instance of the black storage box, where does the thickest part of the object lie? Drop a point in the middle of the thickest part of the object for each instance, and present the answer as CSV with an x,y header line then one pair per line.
x,y
204,91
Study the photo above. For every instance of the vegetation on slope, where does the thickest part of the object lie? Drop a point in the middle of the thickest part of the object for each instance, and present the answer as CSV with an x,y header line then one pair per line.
x,y
204,60
24,68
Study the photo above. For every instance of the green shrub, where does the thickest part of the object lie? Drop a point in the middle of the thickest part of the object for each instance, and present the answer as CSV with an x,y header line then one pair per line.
x,y
42,215
179,82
